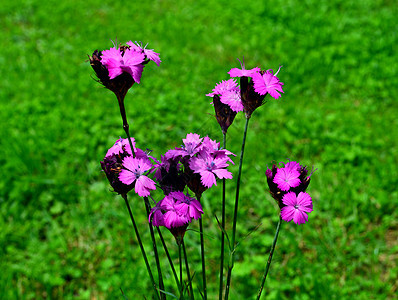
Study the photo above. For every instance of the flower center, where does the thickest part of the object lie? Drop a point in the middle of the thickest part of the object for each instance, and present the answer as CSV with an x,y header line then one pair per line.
x,y
210,166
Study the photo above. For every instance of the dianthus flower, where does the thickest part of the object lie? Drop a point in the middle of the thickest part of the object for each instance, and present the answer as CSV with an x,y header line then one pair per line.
x,y
118,61
286,178
192,145
233,100
121,66
296,207
112,163
253,92
267,82
133,172
209,167
227,102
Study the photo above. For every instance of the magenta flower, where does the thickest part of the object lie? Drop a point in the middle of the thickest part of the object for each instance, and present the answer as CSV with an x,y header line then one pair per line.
x,y
233,100
209,167
192,209
235,72
297,207
192,145
267,83
286,178
118,62
149,53
175,212
224,86
133,172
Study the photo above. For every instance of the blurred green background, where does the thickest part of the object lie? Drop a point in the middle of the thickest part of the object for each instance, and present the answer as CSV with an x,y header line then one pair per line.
x,y
64,235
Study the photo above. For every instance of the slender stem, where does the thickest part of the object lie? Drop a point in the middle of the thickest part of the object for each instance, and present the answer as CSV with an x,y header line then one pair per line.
x,y
188,273
269,258
125,123
202,251
155,249
223,229
141,246
232,252
180,260
169,258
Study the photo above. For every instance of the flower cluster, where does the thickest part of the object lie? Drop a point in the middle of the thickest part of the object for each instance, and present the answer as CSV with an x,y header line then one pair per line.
x,y
287,186
196,165
121,66
248,96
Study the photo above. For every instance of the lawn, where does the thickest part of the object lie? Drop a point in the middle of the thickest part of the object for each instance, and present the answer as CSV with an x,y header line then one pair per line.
x,y
65,235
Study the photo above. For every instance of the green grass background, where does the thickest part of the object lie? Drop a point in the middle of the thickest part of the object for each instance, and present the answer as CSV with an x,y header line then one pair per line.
x,y
64,235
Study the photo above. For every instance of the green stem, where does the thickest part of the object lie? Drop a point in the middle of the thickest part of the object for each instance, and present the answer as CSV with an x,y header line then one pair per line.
x,y
180,260
188,273
232,251
169,258
223,229
155,249
269,258
124,196
202,251
125,123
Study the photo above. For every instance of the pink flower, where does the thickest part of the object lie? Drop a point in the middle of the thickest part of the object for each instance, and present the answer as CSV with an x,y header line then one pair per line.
x,y
192,145
233,100
192,209
118,62
235,72
286,178
133,172
175,212
297,207
149,53
209,167
224,86
267,83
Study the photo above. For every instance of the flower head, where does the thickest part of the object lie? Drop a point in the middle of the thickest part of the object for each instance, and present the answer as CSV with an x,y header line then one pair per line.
x,y
233,100
210,167
296,207
118,61
267,82
133,173
192,145
119,67
286,178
